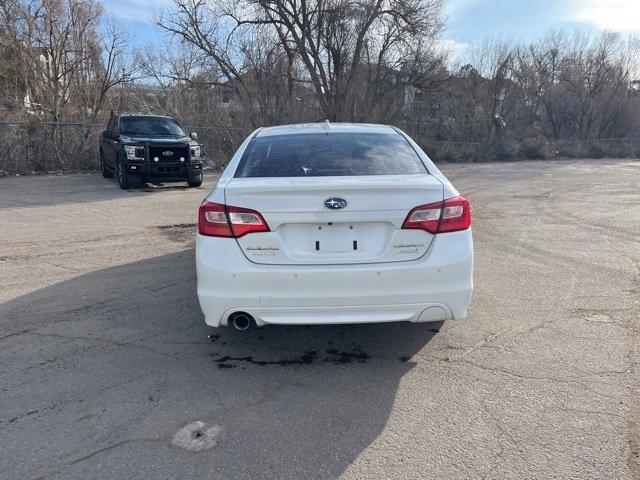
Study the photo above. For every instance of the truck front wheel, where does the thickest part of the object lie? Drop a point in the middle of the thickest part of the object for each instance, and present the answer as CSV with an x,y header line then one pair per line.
x,y
123,177
195,181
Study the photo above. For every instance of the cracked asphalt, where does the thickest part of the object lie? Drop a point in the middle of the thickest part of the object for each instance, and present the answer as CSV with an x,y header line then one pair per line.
x,y
106,371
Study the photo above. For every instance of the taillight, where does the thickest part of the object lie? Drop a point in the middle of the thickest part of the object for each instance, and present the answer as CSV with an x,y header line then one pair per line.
x,y
217,220
451,215
245,221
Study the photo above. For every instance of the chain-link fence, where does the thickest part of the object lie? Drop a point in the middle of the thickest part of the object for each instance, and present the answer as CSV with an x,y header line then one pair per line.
x,y
44,147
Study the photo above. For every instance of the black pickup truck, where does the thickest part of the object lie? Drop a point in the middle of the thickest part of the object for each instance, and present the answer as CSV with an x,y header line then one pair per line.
x,y
149,148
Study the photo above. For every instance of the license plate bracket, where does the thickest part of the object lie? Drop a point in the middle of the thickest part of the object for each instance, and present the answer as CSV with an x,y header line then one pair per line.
x,y
336,238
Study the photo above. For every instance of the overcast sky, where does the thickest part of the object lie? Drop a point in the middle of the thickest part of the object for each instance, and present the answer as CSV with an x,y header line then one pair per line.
x,y
469,21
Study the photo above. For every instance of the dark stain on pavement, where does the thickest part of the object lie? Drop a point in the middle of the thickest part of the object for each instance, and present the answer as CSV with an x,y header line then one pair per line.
x,y
305,359
179,232
334,356
337,356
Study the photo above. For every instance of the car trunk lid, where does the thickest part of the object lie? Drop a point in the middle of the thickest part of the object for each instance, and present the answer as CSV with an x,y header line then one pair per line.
x,y
304,231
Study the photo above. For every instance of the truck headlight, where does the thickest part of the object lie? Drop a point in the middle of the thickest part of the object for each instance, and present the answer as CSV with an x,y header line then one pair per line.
x,y
134,152
195,151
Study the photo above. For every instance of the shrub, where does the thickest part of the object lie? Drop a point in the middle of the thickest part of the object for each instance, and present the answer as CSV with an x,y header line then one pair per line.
x,y
534,148
453,152
502,149
597,150
10,160
622,150
569,149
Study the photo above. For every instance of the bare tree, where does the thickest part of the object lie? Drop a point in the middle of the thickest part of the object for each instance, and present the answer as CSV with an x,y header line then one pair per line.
x,y
340,42
341,45
204,26
12,85
229,66
56,48
109,63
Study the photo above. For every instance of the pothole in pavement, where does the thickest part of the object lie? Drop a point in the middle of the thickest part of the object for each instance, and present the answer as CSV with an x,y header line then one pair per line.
x,y
197,436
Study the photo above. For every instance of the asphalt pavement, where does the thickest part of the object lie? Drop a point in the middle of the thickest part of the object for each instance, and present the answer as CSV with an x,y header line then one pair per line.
x,y
106,371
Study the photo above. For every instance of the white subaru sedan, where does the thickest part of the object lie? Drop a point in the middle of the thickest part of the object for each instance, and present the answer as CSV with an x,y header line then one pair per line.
x,y
333,223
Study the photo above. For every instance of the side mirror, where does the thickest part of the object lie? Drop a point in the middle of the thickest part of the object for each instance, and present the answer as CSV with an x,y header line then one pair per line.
x,y
194,136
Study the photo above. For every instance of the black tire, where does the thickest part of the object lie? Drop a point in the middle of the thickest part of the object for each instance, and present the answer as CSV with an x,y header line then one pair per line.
x,y
123,177
196,181
106,173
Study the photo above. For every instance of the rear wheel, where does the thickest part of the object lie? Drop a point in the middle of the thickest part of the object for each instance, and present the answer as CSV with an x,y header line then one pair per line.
x,y
196,181
106,173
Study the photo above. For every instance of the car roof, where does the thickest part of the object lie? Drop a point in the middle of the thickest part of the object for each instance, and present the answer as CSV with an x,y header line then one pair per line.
x,y
325,127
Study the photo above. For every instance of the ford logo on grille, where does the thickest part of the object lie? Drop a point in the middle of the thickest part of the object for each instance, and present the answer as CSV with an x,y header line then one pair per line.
x,y
335,203
167,153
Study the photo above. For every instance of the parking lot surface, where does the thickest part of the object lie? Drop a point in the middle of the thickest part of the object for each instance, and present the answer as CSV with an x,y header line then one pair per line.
x,y
106,370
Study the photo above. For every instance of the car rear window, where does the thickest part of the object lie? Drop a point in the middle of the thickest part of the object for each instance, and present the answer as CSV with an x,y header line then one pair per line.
x,y
329,154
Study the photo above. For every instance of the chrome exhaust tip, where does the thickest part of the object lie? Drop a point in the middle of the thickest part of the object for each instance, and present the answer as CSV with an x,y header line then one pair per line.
x,y
241,321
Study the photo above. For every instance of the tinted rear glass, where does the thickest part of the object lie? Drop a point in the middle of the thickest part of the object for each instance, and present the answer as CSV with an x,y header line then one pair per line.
x,y
329,154
156,126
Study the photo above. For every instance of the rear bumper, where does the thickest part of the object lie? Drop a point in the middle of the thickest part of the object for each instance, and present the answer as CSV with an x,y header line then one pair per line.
x,y
435,287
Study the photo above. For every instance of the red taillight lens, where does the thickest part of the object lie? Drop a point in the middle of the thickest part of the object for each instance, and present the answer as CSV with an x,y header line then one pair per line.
x,y
212,220
452,215
245,221
217,220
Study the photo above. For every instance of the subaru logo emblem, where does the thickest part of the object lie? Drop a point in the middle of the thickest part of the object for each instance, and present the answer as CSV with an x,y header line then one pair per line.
x,y
167,153
335,203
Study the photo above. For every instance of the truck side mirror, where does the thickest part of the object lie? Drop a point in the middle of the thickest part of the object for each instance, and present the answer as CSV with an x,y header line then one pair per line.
x,y
194,136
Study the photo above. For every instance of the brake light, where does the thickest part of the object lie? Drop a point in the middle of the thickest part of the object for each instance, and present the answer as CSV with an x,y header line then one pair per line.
x,y
451,215
218,220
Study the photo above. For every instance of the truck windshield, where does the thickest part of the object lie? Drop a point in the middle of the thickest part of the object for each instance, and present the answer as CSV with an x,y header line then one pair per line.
x,y
150,126
329,154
